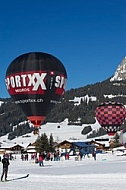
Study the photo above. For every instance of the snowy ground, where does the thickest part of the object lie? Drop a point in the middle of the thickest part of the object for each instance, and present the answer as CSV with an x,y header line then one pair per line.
x,y
108,172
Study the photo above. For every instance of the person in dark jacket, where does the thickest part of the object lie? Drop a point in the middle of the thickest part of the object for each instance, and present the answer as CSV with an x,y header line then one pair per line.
x,y
94,155
5,162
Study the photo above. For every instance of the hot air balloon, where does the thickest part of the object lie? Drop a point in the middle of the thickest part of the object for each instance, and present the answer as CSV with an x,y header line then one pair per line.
x,y
122,138
36,81
110,116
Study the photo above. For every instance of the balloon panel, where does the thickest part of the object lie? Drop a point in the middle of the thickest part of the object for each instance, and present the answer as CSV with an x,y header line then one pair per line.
x,y
111,130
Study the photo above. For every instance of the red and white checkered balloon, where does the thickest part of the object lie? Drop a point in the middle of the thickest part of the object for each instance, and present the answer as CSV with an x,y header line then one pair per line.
x,y
110,116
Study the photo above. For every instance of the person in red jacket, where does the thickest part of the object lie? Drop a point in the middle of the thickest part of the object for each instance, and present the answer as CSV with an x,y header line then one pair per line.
x,y
41,160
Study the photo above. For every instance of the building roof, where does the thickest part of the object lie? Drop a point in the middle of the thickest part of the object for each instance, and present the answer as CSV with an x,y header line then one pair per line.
x,y
83,144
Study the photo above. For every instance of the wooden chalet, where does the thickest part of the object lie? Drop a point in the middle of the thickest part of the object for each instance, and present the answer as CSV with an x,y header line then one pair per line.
x,y
101,146
16,149
63,146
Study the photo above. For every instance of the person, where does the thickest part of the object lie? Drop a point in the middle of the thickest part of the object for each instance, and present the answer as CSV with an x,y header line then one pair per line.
x,y
81,155
94,155
41,160
22,157
51,156
67,156
5,162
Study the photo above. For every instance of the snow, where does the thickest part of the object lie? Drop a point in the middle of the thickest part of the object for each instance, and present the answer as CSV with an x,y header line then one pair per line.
x,y
108,172
65,132
77,100
1,102
112,96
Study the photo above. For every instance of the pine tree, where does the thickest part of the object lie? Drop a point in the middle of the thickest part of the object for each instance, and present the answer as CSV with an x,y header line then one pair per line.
x,y
42,143
51,143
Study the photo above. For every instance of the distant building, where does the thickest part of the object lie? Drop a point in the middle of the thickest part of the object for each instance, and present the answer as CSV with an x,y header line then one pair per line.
x,y
75,147
16,149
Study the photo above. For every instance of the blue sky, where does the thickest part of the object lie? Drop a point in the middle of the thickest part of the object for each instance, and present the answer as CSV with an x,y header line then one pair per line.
x,y
88,36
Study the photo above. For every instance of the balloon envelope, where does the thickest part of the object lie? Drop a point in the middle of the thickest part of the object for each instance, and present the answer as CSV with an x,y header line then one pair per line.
x,y
36,81
110,116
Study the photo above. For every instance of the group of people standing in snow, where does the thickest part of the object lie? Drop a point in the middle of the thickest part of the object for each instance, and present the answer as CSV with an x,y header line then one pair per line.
x,y
41,157
47,156
24,157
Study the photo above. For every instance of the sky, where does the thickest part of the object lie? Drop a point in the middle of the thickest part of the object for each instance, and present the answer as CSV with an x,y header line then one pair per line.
x,y
87,36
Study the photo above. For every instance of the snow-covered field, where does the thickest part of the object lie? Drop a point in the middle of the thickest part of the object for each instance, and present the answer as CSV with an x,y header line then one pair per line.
x,y
108,172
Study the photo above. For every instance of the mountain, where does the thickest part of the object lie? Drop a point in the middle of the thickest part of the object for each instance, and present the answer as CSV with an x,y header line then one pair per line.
x,y
78,105
120,73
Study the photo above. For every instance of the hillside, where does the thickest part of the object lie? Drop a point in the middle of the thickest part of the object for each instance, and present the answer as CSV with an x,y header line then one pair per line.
x,y
77,105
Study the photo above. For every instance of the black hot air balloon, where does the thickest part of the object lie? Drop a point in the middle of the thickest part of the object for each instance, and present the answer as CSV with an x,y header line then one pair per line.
x,y
110,116
36,81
